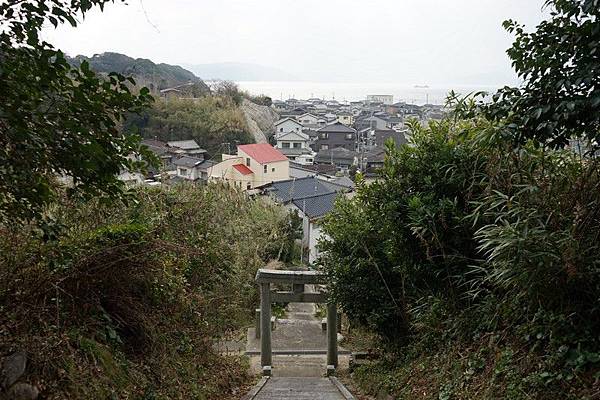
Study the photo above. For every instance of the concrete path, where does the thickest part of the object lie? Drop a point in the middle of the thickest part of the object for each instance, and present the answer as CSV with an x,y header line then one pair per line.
x,y
299,389
299,333
299,359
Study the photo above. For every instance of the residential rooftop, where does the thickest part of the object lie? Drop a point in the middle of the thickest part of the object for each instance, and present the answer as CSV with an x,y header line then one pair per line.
x,y
263,153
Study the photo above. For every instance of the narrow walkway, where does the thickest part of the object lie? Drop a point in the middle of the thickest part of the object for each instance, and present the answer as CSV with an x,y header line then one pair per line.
x,y
299,360
299,389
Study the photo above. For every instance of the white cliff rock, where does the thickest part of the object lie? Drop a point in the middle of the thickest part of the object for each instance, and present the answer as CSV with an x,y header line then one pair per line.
x,y
260,120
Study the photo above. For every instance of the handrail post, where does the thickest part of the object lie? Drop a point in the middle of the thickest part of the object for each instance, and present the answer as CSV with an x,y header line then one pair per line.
x,y
265,328
332,353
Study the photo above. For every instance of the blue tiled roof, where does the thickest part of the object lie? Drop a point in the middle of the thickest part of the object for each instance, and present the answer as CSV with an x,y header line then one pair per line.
x,y
316,206
286,191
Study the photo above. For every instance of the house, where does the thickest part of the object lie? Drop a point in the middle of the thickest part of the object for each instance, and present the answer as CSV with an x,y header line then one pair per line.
x,y
308,119
312,199
330,117
279,105
335,135
186,147
395,122
382,135
171,93
162,151
253,166
373,122
302,171
293,113
295,146
381,98
312,210
285,191
372,161
320,108
346,118
341,157
131,178
287,125
193,169
299,171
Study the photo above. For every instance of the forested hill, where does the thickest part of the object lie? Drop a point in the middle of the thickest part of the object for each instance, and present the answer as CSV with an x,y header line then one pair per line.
x,y
146,73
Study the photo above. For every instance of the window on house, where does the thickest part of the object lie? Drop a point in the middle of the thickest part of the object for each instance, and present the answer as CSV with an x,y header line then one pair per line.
x,y
280,129
349,136
285,145
248,186
265,168
324,147
324,135
183,172
297,145
247,161
272,169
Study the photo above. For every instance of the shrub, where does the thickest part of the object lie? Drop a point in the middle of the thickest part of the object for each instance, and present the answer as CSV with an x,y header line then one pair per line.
x,y
127,299
464,236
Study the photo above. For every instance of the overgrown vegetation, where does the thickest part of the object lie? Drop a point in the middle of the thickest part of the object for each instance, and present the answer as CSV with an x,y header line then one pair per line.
x,y
216,120
125,302
475,256
210,120
114,292
56,119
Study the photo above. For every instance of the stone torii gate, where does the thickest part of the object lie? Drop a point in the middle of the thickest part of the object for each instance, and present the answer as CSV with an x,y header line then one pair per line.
x,y
298,280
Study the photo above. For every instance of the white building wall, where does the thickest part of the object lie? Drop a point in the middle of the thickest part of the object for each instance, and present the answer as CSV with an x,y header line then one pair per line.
x,y
315,234
287,127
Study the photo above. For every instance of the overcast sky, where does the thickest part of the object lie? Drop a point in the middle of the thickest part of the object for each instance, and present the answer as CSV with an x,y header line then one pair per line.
x,y
399,41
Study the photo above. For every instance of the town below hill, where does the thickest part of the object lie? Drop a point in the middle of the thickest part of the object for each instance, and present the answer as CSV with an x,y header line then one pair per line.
x,y
323,136
313,154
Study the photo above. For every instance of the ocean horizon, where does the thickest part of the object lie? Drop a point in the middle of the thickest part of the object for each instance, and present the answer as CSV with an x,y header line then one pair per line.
x,y
414,94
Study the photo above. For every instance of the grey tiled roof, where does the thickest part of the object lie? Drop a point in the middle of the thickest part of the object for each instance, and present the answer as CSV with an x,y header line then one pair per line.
x,y
286,191
381,136
336,127
187,162
325,169
375,155
185,144
207,164
316,206
339,153
191,162
291,151
342,183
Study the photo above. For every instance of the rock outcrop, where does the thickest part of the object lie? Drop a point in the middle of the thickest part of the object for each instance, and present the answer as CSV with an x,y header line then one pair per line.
x,y
260,120
12,369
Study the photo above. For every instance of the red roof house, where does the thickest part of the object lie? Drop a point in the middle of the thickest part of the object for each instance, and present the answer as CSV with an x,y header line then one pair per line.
x,y
262,153
242,169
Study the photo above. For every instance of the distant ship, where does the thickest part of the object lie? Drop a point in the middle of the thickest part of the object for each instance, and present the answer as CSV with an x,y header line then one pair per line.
x,y
421,87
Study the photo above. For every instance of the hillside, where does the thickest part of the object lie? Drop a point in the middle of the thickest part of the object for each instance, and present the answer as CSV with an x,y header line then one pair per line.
x,y
126,300
146,73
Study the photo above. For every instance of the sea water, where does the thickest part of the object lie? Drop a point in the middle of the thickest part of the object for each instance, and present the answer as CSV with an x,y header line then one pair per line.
x,y
414,94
